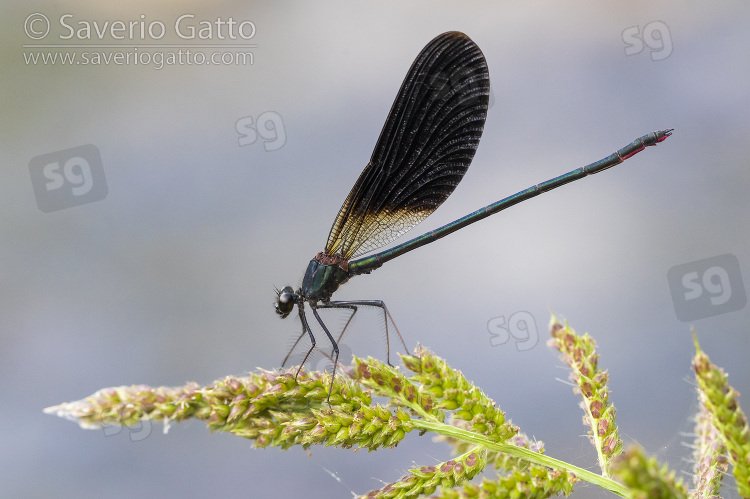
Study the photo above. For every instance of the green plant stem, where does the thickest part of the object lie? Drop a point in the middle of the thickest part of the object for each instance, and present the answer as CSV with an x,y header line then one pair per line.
x,y
521,452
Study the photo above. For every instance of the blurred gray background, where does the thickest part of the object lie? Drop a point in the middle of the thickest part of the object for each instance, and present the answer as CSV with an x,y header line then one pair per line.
x,y
167,275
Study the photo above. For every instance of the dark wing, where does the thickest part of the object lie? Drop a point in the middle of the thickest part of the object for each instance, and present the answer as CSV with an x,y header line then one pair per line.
x,y
424,150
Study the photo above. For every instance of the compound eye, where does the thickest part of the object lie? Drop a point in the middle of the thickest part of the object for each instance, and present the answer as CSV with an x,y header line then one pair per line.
x,y
285,302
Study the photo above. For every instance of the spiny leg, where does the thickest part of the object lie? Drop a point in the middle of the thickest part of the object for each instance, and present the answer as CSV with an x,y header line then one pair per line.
x,y
335,349
338,340
302,334
386,316
353,308
306,326
348,321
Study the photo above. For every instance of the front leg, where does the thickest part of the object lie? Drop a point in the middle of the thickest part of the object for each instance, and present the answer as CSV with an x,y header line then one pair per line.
x,y
305,327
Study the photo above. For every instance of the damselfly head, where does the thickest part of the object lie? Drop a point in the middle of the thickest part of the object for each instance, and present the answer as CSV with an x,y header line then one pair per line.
x,y
285,300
